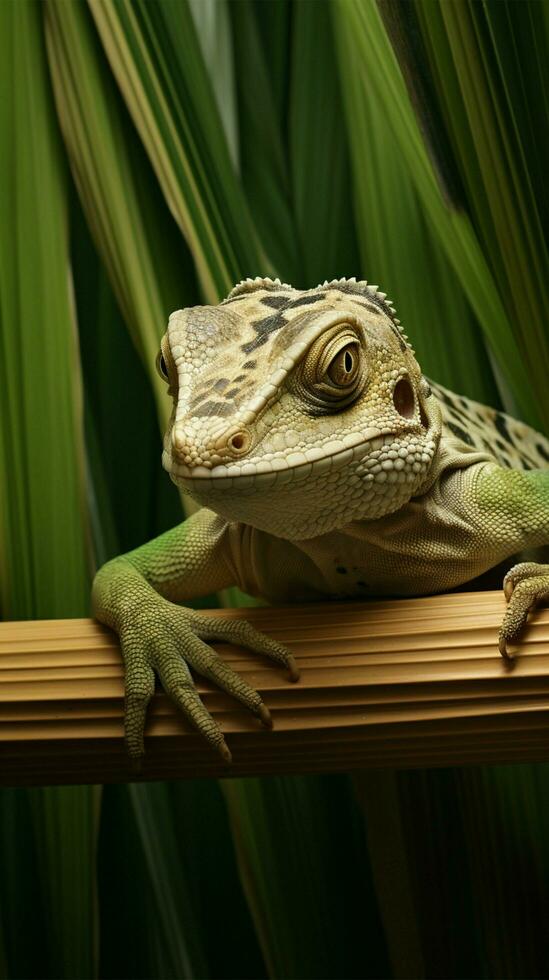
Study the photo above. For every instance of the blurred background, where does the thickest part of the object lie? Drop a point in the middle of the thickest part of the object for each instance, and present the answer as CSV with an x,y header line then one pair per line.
x,y
152,155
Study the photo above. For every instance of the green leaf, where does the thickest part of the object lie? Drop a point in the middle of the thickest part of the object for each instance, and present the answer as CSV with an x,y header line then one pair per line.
x,y
302,862
211,19
66,822
44,570
179,934
156,58
149,268
399,248
494,115
360,34
22,907
122,435
264,167
319,152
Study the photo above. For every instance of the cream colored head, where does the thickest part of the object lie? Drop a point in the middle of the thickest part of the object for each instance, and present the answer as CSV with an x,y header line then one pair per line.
x,y
297,411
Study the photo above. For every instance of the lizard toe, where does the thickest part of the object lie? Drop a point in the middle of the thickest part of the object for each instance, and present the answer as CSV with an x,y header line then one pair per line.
x,y
518,573
242,633
524,586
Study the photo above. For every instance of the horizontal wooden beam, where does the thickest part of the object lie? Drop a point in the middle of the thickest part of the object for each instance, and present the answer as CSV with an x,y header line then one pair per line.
x,y
401,683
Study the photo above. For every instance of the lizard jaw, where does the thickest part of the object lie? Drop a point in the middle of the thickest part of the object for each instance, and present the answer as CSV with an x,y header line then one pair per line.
x,y
280,468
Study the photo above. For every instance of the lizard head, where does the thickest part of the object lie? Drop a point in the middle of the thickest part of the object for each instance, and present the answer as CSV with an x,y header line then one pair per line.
x,y
297,411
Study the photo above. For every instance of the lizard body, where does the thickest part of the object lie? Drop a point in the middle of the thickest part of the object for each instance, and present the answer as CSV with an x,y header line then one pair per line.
x,y
327,466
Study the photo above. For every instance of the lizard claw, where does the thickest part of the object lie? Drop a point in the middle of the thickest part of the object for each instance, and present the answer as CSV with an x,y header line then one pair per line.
x,y
293,669
265,716
505,653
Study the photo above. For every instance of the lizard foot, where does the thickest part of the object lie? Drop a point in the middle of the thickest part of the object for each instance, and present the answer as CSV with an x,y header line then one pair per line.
x,y
524,585
168,640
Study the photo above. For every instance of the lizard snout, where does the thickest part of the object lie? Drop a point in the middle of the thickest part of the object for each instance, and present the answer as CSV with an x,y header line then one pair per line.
x,y
193,449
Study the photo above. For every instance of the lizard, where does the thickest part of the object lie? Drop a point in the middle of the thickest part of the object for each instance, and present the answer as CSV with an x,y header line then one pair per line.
x,y
327,466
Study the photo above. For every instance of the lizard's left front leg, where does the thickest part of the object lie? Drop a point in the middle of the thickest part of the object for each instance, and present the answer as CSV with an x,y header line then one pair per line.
x,y
515,507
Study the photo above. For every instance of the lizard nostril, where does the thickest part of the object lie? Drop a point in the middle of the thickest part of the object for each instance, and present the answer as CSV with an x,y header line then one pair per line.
x,y
239,442
403,398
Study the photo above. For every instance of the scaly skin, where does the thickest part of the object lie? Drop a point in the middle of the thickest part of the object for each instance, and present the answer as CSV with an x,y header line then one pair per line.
x,y
516,508
136,595
329,467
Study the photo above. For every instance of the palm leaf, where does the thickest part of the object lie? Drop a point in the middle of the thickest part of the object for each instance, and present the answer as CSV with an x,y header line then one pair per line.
x,y
22,909
211,19
66,822
319,153
157,61
149,269
419,279
482,70
263,164
179,933
44,537
308,884
360,31
42,525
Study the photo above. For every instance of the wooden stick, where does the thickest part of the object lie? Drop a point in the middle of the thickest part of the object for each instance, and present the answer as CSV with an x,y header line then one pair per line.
x,y
400,683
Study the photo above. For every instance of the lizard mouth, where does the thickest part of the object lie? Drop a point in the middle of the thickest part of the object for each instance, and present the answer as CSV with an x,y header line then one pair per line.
x,y
280,467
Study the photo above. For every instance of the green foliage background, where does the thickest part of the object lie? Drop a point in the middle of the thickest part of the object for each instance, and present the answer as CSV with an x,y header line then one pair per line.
x,y
152,155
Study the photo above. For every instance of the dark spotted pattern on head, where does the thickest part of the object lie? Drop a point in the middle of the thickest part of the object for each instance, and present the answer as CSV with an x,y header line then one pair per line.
x,y
374,304
263,328
223,409
261,293
542,451
249,365
306,300
366,299
198,399
275,302
220,384
267,325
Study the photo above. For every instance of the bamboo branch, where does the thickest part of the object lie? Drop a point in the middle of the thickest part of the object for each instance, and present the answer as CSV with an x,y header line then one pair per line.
x,y
400,683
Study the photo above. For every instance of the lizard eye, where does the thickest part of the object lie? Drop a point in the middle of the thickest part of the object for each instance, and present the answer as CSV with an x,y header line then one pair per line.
x,y
345,366
333,373
161,366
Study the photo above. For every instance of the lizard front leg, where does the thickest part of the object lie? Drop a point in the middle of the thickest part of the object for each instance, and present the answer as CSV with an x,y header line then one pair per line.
x,y
136,594
524,586
515,509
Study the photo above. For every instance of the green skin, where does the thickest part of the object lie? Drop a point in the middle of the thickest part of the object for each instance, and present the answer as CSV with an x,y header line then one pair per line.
x,y
463,515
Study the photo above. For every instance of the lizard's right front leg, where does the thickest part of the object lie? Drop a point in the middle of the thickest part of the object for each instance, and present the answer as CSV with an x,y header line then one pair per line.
x,y
135,595
514,512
